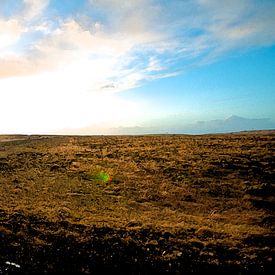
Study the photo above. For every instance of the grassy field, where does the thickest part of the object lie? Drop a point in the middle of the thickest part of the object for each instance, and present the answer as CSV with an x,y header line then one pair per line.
x,y
170,204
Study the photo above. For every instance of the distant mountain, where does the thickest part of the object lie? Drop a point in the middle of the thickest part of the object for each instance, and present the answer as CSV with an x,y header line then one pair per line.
x,y
231,124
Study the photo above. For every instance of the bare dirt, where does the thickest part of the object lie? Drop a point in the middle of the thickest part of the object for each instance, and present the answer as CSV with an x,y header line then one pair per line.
x,y
168,204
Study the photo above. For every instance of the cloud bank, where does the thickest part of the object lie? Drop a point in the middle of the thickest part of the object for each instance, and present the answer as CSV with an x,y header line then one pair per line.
x,y
121,44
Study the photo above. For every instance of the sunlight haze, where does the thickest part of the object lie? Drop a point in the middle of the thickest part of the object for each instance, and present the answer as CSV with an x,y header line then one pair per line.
x,y
141,66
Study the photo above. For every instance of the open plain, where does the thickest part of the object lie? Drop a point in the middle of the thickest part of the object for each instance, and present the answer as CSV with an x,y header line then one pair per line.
x,y
164,204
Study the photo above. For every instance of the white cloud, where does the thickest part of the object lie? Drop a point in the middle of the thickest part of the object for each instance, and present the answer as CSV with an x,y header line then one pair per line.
x,y
10,32
154,65
153,36
94,58
238,24
34,8
144,34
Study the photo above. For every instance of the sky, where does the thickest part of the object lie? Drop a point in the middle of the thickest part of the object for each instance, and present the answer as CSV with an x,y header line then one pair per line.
x,y
80,66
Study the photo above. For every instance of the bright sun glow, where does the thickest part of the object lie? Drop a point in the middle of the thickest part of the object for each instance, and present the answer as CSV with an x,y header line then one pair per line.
x,y
53,101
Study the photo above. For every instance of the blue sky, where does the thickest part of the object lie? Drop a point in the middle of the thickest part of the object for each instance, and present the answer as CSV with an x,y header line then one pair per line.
x,y
80,65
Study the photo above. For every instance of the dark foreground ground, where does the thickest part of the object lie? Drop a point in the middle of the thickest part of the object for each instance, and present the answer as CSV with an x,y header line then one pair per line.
x,y
137,205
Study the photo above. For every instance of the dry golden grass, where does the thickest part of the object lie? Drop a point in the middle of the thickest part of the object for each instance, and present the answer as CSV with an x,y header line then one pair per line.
x,y
207,193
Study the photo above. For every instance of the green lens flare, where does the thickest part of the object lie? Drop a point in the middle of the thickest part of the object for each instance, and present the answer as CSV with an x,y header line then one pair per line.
x,y
104,177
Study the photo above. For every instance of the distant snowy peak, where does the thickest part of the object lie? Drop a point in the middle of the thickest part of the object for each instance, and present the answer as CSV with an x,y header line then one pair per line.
x,y
235,118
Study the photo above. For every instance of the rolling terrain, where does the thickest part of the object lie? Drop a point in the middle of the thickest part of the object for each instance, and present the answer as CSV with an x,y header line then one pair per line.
x,y
159,204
